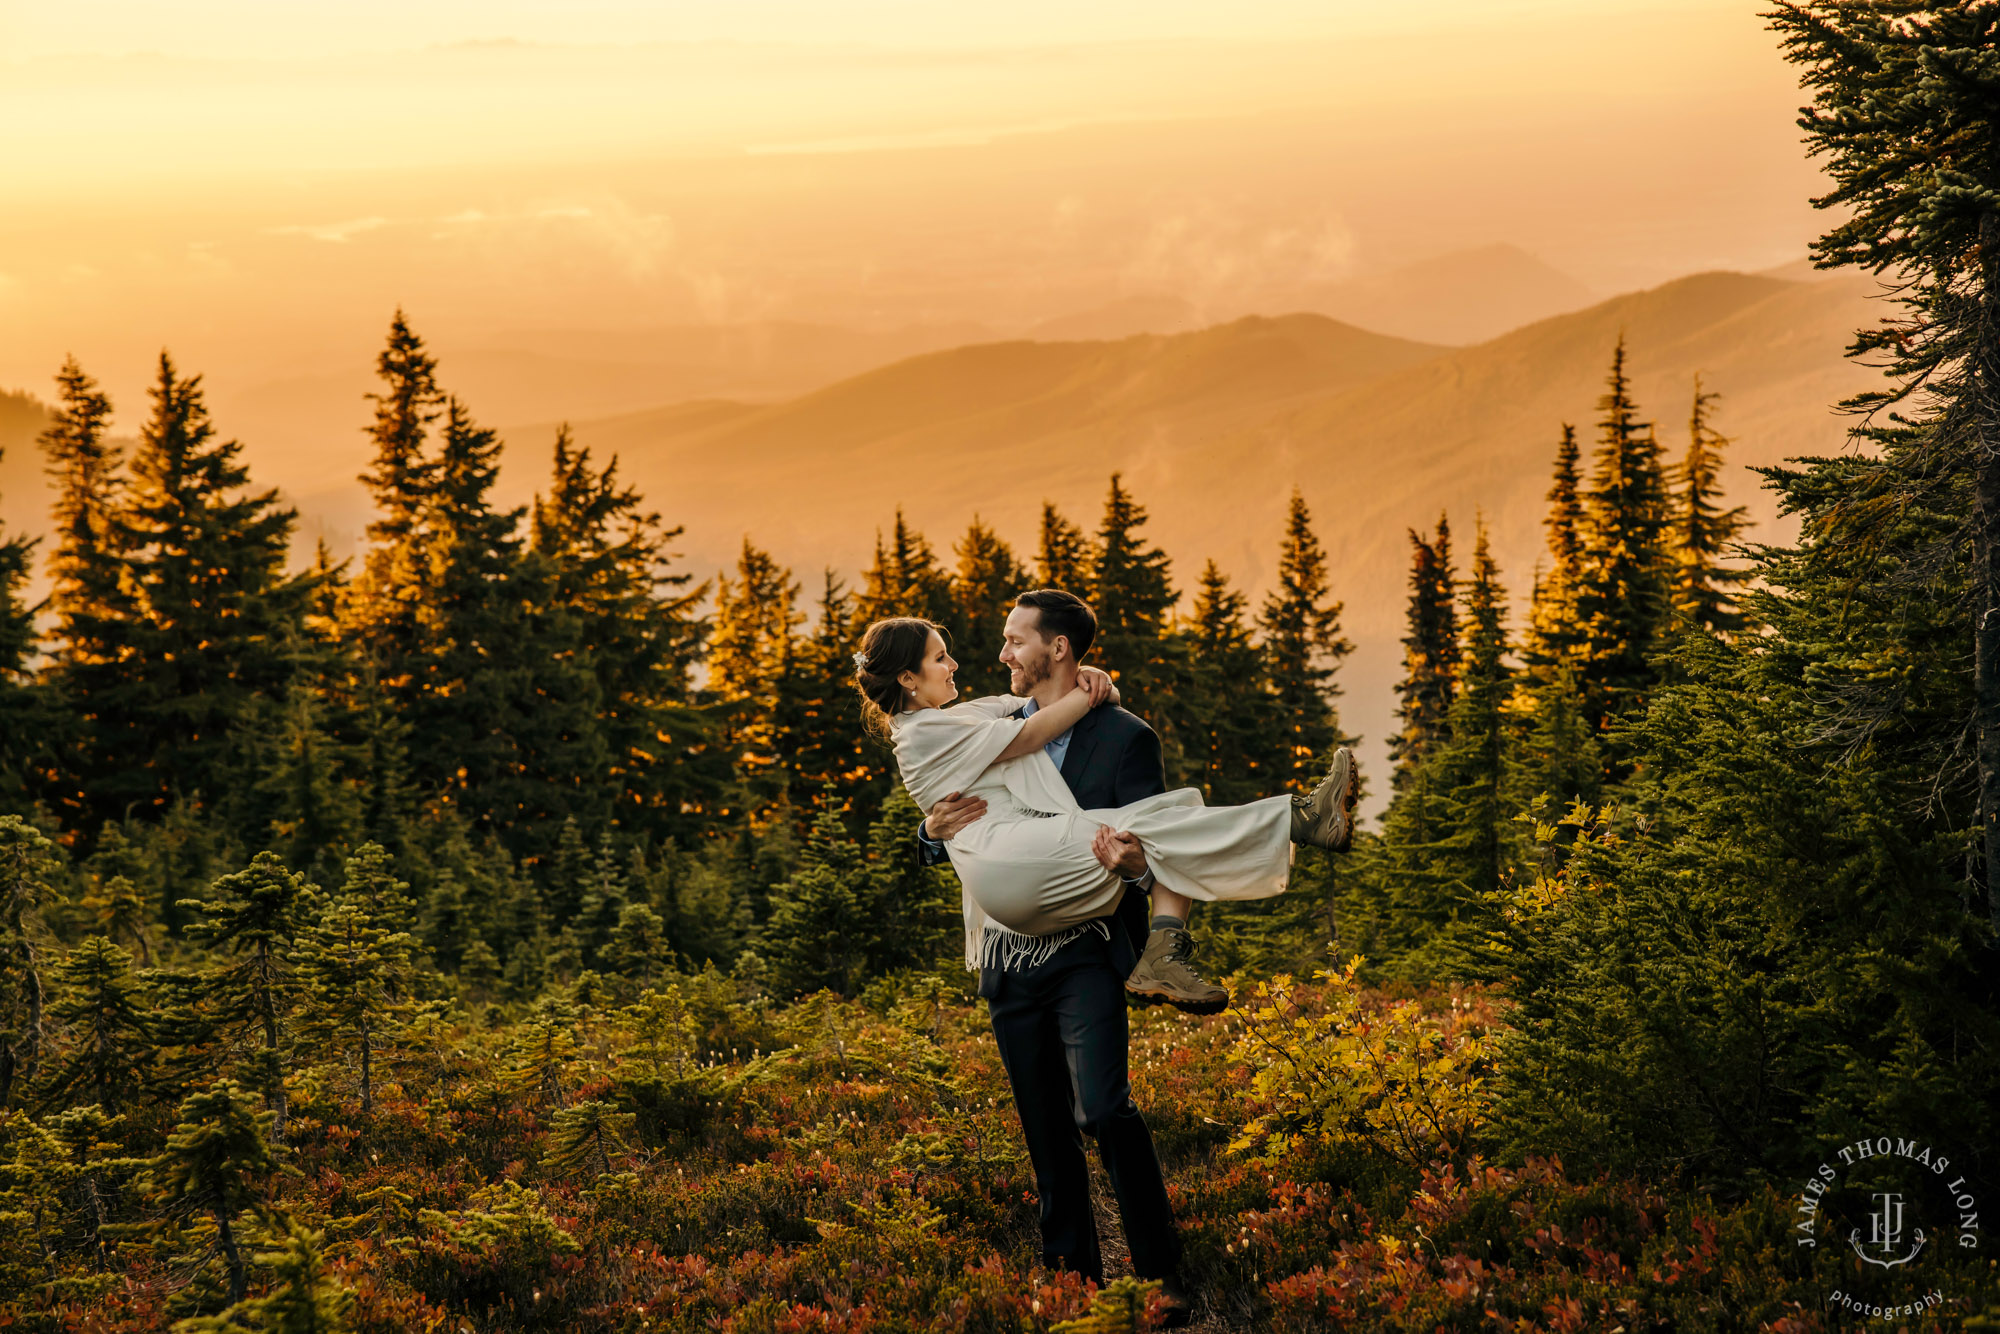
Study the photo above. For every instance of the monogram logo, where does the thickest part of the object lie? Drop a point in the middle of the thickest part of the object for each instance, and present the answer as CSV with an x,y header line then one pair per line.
x,y
1885,1233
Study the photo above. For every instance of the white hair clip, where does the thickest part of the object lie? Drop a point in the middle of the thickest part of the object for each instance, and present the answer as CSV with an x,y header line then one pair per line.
x,y
861,662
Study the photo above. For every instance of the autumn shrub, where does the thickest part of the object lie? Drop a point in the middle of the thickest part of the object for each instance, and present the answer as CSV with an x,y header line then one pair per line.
x,y
1335,1063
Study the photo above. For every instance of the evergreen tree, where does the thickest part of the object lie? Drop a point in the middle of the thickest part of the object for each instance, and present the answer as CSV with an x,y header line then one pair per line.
x,y
822,928
217,622
1133,598
1555,761
87,598
302,1299
1222,717
1062,555
983,589
1474,846
106,1043
216,1162
638,949
28,868
906,580
584,1140
315,813
472,653
1555,634
1904,113
1303,651
19,700
819,715
401,477
1702,529
255,918
1621,602
665,1034
916,908
118,910
617,611
1430,651
752,652
353,972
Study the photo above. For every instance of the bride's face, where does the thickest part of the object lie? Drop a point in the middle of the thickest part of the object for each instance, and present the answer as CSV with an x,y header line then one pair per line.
x,y
931,684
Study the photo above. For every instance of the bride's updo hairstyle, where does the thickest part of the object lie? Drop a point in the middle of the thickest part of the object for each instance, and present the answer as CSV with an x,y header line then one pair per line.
x,y
888,648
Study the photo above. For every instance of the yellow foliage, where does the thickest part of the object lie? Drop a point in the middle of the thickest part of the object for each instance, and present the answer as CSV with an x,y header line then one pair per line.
x,y
1332,1064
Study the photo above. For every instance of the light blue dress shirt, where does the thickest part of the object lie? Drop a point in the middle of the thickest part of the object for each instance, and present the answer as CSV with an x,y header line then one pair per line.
x,y
1056,749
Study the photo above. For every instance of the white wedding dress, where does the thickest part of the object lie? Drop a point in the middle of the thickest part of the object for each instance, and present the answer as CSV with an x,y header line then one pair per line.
x,y
1027,864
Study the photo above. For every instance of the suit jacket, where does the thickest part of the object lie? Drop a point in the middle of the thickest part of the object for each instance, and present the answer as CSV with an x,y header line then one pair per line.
x,y
1113,760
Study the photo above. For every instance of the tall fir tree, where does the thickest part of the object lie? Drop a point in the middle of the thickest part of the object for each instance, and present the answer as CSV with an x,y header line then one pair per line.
x,y
1222,719
1430,651
22,738
1554,632
1622,599
984,585
820,711
470,633
752,657
620,609
1303,651
1703,530
1904,114
1062,554
906,580
1476,844
1131,591
400,478
217,623
87,599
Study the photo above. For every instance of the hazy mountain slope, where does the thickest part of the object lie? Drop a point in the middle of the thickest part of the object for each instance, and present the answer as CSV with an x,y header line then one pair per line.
x,y
1213,429
309,425
1463,297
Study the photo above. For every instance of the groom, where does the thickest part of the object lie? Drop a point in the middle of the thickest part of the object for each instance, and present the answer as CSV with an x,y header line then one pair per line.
x,y
1060,1024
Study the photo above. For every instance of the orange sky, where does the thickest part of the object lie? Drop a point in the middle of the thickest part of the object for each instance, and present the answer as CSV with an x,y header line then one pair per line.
x,y
258,185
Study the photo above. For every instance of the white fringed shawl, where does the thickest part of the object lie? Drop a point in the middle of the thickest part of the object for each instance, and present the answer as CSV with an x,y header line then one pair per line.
x,y
942,751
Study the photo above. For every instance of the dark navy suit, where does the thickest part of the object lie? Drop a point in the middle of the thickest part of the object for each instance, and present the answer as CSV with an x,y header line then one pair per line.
x,y
1064,1042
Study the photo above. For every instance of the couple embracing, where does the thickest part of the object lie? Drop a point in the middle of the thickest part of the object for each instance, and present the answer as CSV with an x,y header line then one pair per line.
x,y
1051,804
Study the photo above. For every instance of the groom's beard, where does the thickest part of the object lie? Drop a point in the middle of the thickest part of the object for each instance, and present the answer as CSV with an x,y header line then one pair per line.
x,y
1032,671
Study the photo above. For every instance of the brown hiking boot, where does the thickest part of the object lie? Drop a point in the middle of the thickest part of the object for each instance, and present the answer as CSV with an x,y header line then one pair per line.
x,y
1325,818
1164,977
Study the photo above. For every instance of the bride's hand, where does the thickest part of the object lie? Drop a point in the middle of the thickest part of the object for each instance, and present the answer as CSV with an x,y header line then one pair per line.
x,y
1097,685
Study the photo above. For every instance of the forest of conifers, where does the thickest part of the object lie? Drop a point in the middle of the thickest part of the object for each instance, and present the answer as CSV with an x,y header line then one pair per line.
x,y
507,931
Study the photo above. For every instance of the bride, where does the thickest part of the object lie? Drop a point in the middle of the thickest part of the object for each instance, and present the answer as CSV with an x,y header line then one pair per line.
x,y
1028,867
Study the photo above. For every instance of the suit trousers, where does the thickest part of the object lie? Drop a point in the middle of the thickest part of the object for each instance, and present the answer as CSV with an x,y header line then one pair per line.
x,y
1063,1038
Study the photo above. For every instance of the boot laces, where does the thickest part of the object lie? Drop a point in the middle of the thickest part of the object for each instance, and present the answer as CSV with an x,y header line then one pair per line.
x,y
1180,947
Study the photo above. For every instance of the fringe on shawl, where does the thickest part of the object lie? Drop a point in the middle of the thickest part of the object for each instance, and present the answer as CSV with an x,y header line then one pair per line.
x,y
1010,951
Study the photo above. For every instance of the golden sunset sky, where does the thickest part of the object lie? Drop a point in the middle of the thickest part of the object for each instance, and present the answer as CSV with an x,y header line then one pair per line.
x,y
257,185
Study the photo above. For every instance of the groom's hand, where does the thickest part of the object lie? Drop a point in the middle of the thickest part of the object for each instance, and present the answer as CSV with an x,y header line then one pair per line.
x,y
951,815
1119,852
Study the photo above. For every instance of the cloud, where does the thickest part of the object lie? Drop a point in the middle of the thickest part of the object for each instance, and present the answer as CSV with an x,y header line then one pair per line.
x,y
337,233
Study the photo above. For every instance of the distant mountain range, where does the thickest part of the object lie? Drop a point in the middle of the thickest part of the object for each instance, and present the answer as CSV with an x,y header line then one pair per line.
x,y
1211,427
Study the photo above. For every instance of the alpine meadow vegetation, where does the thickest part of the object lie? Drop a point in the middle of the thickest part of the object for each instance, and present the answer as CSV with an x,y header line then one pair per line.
x,y
510,931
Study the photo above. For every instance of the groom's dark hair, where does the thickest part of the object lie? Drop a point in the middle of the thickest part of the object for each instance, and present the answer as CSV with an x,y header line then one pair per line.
x,y
1065,614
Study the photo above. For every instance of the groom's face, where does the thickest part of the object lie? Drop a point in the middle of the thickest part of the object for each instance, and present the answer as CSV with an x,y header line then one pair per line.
x,y
1028,656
